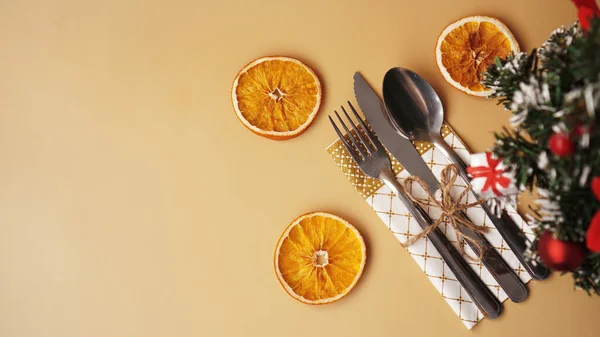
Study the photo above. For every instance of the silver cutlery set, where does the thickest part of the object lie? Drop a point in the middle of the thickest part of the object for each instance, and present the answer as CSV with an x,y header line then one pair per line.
x,y
412,111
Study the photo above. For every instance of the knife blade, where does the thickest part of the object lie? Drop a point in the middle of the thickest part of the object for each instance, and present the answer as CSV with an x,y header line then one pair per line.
x,y
399,146
403,150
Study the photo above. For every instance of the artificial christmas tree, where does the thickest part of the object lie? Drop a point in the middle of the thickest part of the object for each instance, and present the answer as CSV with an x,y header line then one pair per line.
x,y
554,147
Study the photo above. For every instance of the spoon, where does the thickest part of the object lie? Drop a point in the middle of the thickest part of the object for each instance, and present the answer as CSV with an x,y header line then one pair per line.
x,y
416,111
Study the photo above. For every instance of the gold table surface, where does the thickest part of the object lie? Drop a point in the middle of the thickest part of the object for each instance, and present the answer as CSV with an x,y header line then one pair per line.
x,y
133,203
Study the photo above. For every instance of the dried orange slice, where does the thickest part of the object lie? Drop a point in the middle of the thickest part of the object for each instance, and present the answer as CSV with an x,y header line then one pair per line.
x,y
276,97
319,258
468,46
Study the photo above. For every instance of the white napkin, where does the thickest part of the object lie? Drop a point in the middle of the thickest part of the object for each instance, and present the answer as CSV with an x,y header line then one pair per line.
x,y
394,216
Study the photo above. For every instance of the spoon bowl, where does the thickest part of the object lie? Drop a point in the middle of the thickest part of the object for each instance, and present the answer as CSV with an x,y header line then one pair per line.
x,y
413,106
415,110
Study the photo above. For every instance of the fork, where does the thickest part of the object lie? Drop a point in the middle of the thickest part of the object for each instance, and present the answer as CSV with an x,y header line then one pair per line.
x,y
369,154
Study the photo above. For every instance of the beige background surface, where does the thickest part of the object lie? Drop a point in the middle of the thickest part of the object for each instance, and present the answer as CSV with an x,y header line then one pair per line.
x,y
133,203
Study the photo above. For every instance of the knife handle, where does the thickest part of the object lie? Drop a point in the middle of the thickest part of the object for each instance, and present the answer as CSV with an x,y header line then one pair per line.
x,y
506,277
506,226
481,295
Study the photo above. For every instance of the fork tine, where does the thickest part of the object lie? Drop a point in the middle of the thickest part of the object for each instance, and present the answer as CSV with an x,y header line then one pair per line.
x,y
367,131
360,135
352,138
348,147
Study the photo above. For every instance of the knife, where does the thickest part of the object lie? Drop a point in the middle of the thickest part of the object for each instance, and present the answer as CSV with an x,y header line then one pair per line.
x,y
403,150
399,146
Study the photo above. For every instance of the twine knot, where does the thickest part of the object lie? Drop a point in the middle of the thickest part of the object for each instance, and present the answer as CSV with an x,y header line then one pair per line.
x,y
452,211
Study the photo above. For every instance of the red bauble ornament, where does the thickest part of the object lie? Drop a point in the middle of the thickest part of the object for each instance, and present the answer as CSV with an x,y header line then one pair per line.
x,y
586,10
581,130
592,236
560,255
595,185
561,145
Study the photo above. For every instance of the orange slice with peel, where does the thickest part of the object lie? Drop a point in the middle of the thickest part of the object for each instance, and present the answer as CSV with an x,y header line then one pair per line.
x,y
468,46
319,258
276,97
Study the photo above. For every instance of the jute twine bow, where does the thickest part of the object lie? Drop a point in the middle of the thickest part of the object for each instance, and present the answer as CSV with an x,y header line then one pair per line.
x,y
452,211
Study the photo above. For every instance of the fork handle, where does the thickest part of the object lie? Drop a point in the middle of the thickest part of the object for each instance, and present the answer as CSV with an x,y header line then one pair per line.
x,y
481,295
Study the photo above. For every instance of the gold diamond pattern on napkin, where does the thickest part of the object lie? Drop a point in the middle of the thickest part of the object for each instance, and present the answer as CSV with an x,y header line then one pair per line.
x,y
393,214
365,185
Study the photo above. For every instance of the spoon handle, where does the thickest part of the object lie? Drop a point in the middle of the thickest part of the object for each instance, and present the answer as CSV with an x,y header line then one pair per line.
x,y
506,226
452,156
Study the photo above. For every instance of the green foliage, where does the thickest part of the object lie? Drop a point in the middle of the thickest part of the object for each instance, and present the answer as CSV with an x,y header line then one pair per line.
x,y
586,277
555,89
505,75
585,65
